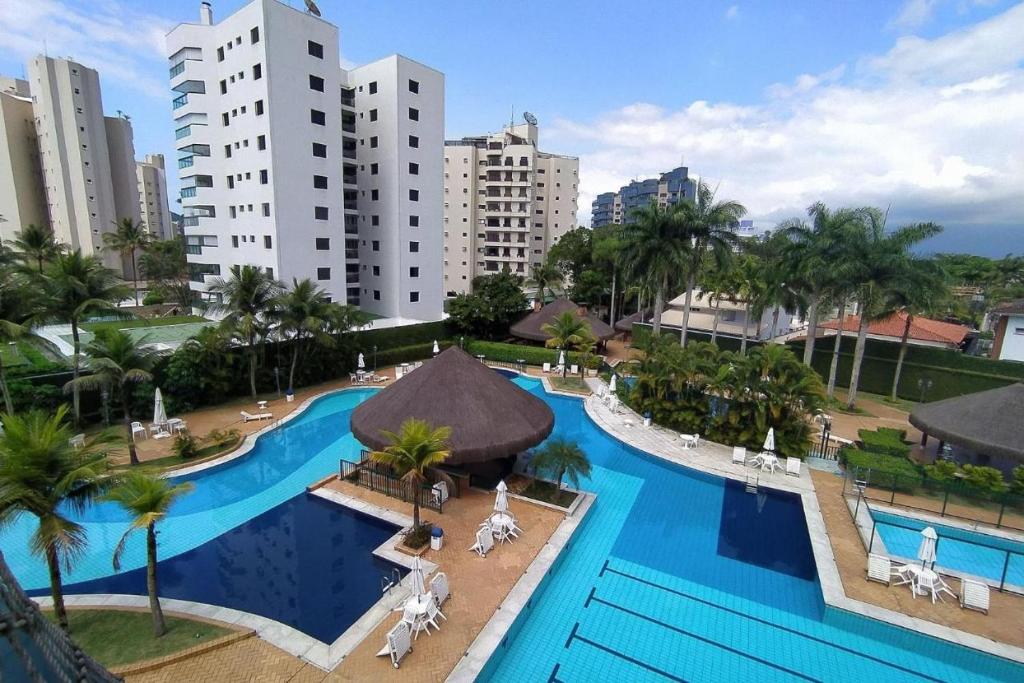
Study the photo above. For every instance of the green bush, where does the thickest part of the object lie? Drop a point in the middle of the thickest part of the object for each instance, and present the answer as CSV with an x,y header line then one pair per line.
x,y
152,297
987,479
185,446
533,355
884,441
397,337
852,457
942,471
406,354
1017,482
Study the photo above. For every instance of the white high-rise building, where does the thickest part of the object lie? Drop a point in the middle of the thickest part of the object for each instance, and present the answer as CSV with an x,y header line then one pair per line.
x,y
21,178
290,163
153,207
88,160
505,204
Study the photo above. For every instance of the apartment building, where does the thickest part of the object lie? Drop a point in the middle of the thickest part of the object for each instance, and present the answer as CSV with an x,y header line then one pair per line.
x,y
293,164
667,189
87,159
22,200
154,210
505,204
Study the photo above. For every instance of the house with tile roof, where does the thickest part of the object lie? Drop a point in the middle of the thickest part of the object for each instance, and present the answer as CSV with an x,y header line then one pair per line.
x,y
1008,342
923,331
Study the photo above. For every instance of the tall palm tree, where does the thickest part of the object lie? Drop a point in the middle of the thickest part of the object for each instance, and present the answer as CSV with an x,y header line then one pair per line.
x,y
749,287
546,278
75,286
118,362
606,244
305,313
568,332
654,250
709,225
127,239
562,458
922,285
43,475
247,301
36,244
776,290
416,447
18,300
147,498
880,259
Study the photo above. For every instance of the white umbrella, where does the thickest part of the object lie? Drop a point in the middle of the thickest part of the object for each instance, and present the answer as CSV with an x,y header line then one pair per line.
x,y
419,586
611,384
361,362
561,358
926,551
769,441
437,349
159,412
501,500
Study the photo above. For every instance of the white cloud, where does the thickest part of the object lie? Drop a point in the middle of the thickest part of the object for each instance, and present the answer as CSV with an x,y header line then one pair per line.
x,y
112,37
913,13
732,12
939,143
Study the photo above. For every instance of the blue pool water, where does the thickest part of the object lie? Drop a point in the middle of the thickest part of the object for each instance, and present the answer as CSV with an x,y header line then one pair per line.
x,y
971,552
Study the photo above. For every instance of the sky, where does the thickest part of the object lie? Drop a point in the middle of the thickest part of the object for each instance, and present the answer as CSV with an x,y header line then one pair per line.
x,y
915,106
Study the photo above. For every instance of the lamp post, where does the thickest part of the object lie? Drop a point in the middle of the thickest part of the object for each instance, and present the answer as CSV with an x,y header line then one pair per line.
x,y
105,398
375,359
277,380
462,343
924,384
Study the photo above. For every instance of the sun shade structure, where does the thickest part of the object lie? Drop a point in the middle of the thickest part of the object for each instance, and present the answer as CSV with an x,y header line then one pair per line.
x,y
490,416
985,422
532,326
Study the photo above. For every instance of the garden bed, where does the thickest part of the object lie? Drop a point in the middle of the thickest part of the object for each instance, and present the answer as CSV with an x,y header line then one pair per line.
x,y
548,492
571,384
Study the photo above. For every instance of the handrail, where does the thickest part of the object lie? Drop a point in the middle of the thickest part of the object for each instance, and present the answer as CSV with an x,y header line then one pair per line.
x,y
379,478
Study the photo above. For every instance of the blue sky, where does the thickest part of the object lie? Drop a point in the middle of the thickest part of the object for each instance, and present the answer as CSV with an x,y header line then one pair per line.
x,y
915,105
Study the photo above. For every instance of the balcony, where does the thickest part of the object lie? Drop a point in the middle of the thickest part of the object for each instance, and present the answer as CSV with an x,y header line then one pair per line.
x,y
177,69
352,254
191,86
185,162
188,192
179,102
196,150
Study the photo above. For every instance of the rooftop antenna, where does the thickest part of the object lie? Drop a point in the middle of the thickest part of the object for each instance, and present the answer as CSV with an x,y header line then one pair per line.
x,y
312,8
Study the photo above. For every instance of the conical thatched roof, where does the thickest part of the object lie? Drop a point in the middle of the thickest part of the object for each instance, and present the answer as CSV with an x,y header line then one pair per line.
x,y
986,422
532,326
490,416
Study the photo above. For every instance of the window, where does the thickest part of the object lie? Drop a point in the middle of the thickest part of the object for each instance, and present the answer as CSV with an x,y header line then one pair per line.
x,y
376,271
259,107
223,87
374,168
227,151
414,221
315,49
375,245
231,182
374,195
376,295
323,243
373,87
414,86
317,117
373,141
220,54
414,247
266,209
320,150
225,119
414,169
263,176
414,141
373,115
254,34
414,271
323,273
414,297
414,195
316,83
234,241
267,242
414,114
320,213
233,211
261,142
374,220
320,182
1018,330
257,72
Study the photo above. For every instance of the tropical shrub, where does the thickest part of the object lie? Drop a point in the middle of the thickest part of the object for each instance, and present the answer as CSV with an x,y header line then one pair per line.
x,y
1017,481
222,438
987,479
185,446
854,458
152,297
942,470
886,441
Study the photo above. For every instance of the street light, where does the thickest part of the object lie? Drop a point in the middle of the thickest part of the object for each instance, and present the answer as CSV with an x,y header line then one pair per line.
x,y
375,359
923,385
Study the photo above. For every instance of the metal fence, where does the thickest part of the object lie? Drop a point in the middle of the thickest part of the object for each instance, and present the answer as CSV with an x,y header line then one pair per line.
x,y
379,477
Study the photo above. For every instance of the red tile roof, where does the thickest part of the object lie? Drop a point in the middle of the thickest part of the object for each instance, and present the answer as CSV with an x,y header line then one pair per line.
x,y
921,329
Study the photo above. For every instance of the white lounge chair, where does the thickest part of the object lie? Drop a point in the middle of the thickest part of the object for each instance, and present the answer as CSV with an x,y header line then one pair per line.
x,y
399,643
974,595
439,589
793,466
739,455
690,440
546,368
77,441
574,369
879,569
137,428
484,541
248,417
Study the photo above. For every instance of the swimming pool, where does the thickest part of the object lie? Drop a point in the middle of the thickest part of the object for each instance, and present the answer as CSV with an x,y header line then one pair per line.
x,y
970,552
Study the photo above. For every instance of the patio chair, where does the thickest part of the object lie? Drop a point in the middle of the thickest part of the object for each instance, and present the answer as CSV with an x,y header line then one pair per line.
x,y
974,595
484,540
352,379
879,569
739,455
439,589
793,466
574,369
248,417
77,441
399,643
547,368
903,574
137,428
440,492
690,440
431,616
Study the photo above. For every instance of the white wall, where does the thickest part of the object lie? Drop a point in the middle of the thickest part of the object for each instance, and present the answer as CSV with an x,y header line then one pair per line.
x,y
1013,343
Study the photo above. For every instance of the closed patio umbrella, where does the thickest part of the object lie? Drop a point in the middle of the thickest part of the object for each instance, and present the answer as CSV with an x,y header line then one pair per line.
x,y
416,573
437,349
501,500
561,358
361,362
926,551
769,441
159,412
611,384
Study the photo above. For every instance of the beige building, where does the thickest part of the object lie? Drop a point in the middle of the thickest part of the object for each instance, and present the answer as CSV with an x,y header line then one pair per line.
x,y
731,315
154,210
505,204
21,180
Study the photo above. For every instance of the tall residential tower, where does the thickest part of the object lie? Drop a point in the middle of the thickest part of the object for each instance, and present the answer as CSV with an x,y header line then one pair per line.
x,y
667,189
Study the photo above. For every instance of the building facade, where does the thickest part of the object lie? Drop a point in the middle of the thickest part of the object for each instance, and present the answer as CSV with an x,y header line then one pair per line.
x,y
22,200
292,164
154,211
505,204
617,207
1008,331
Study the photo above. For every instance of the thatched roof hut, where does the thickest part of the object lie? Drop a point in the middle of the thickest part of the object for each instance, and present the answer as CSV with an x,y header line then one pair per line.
x,y
532,326
490,416
987,422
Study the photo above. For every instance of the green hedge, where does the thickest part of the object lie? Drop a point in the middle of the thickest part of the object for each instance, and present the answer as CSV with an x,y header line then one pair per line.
x,y
511,353
853,457
406,354
407,335
884,441
641,331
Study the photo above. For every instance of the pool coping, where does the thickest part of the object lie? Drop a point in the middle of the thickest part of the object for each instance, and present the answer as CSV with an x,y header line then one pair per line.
x,y
828,571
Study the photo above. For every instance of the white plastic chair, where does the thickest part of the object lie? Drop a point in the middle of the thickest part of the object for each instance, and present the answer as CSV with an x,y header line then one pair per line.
x,y
574,369
137,428
431,616
399,643
439,492
690,440
793,466
879,569
439,589
974,595
739,455
77,441
547,368
484,541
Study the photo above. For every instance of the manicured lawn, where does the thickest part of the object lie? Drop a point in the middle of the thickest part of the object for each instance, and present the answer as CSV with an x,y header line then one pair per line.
x,y
117,638
570,383
547,492
142,322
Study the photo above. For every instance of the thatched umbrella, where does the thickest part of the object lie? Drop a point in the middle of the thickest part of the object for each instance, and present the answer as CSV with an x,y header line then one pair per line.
x,y
490,416
987,422
532,326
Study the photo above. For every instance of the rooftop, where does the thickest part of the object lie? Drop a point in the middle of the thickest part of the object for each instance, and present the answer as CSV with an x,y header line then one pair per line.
x,y
921,329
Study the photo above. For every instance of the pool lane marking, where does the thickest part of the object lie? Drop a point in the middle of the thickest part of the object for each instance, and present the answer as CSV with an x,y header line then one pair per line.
x,y
553,677
621,655
709,641
787,629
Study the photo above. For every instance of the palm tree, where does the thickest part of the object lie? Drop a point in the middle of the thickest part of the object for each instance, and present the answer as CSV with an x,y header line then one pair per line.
x,y
880,259
416,447
118,362
748,287
568,332
606,245
17,302
128,238
75,286
247,302
546,277
43,475
709,226
922,284
36,244
775,290
562,458
305,313
147,498
654,250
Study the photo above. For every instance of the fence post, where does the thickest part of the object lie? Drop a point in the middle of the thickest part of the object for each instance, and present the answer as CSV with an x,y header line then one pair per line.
x,y
871,541
1006,566
945,499
1002,509
892,499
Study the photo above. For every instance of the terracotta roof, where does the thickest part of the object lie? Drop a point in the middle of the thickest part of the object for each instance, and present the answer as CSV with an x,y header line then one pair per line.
x,y
1010,308
921,329
986,422
490,416
531,327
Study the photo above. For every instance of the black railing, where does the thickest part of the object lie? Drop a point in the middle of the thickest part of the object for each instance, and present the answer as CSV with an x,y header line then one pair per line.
x,y
379,477
826,446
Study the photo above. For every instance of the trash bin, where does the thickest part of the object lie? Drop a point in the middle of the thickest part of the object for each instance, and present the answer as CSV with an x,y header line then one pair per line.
x,y
436,538
647,419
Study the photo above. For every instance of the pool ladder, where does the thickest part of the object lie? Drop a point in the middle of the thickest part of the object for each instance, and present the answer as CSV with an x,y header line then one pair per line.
x,y
752,483
389,581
